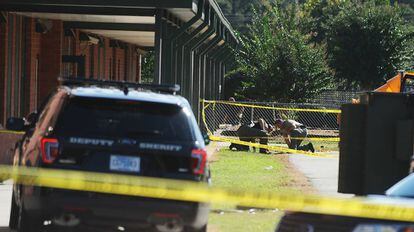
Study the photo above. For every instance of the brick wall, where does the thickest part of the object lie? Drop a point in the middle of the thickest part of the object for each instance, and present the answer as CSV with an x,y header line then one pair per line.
x,y
120,64
40,64
32,64
50,61
108,60
3,52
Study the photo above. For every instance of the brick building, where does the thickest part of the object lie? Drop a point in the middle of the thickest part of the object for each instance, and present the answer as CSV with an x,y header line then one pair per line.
x,y
41,40
35,52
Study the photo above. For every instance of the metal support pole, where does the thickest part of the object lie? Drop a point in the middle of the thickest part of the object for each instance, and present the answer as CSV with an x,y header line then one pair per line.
x,y
158,45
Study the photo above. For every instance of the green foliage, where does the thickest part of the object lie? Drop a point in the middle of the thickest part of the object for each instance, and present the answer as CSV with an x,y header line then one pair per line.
x,y
279,61
407,8
367,43
147,67
316,15
233,80
240,12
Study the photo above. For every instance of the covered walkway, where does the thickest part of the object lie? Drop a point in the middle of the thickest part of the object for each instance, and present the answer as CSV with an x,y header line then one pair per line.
x,y
105,39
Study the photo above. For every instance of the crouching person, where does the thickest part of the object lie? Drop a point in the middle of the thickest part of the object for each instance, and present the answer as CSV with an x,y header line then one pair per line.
x,y
294,132
249,133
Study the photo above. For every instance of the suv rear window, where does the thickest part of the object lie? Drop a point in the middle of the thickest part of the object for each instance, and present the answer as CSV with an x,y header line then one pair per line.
x,y
124,119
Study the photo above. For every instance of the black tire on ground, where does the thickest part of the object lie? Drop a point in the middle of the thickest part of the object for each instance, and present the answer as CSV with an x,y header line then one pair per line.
x,y
14,213
28,222
190,229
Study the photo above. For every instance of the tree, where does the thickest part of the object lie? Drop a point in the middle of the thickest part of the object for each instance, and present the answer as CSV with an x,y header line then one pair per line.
x,y
367,43
240,12
279,61
316,14
147,68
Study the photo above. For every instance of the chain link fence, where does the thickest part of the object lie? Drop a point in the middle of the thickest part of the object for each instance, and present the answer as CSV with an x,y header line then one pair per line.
x,y
335,98
223,118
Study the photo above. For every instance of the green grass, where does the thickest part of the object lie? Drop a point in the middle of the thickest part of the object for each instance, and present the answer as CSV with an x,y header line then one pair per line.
x,y
326,146
244,221
247,171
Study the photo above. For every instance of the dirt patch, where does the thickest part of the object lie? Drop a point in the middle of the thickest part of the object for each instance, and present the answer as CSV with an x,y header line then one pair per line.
x,y
215,147
299,180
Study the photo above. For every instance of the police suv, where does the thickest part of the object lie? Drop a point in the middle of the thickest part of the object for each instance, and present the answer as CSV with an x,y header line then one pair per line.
x,y
110,127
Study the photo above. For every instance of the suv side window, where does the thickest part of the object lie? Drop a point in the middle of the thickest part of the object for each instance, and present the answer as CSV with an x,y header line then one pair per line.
x,y
50,112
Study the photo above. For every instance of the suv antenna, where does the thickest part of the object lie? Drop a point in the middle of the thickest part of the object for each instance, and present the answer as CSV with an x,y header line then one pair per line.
x,y
126,90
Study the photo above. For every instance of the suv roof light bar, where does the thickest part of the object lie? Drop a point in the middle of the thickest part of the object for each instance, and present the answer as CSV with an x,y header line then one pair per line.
x,y
123,85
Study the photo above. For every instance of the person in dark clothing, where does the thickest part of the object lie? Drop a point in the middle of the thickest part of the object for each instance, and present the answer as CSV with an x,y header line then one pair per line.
x,y
233,113
249,133
294,132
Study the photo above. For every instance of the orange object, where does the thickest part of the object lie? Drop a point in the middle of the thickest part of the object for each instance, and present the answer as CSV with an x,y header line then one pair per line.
x,y
393,85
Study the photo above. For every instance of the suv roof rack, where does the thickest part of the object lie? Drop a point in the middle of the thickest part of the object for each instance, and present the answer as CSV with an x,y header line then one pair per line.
x,y
172,89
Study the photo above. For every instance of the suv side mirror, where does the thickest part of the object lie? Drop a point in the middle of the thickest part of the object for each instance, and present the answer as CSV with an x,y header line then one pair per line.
x,y
15,124
206,139
32,118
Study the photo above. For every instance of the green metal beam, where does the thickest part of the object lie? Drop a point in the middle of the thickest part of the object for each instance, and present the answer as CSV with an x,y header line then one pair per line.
x,y
169,67
154,4
110,26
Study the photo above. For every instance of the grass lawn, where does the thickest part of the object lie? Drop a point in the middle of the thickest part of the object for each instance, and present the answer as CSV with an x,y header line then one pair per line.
x,y
247,171
244,221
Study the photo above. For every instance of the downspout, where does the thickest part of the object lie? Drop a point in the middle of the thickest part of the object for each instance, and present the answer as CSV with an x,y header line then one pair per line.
x,y
194,33
214,41
190,23
181,70
208,47
182,30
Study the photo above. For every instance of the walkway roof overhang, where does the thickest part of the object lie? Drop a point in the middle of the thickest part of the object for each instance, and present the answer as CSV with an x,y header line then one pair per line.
x,y
131,21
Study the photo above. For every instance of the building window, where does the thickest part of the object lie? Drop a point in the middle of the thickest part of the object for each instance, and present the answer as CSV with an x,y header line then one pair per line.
x,y
69,69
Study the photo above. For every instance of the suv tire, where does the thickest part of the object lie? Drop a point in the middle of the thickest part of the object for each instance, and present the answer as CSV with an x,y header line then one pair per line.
x,y
27,222
190,229
14,213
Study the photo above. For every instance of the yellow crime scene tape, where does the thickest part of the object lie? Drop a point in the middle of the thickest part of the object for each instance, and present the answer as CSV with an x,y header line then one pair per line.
x,y
11,132
321,139
327,139
207,103
203,116
235,141
198,192
274,108
270,148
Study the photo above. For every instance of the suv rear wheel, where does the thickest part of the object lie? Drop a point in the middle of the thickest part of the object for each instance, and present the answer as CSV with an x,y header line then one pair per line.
x,y
14,213
28,222
190,229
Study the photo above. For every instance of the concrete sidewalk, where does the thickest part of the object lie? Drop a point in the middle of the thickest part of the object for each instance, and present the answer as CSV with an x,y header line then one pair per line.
x,y
321,171
5,204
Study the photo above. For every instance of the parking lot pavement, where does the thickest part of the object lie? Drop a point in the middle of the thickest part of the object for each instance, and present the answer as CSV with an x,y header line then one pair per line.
x,y
321,171
5,200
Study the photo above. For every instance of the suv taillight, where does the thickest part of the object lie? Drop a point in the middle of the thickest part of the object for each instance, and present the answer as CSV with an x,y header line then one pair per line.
x,y
50,149
198,161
